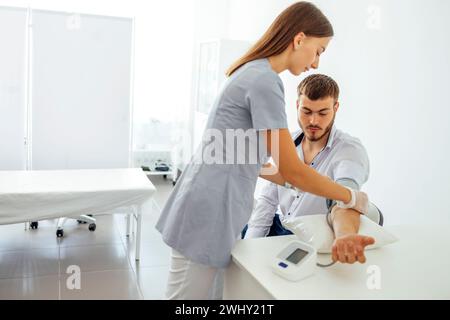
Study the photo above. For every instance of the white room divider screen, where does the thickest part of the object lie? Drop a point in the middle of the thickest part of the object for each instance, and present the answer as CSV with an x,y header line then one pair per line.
x,y
81,71
13,88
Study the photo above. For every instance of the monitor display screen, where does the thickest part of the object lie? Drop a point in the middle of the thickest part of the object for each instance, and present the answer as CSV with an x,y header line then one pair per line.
x,y
296,256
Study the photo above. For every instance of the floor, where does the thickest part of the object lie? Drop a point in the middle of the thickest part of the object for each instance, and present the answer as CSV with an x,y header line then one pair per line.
x,y
34,264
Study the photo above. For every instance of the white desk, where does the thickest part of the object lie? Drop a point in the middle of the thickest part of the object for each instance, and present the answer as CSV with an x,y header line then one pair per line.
x,y
415,267
48,194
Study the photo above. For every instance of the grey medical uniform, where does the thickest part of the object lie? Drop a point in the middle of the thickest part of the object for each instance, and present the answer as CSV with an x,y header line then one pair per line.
x,y
211,203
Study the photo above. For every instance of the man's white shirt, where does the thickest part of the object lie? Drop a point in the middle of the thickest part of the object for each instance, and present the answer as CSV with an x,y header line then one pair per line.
x,y
344,159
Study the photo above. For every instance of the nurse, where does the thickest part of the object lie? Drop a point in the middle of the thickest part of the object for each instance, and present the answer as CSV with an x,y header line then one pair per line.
x,y
213,199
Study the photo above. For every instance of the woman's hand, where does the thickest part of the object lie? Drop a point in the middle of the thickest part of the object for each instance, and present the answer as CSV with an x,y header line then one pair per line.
x,y
359,202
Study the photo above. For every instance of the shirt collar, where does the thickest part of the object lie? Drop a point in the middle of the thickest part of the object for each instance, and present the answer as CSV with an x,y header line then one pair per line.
x,y
331,137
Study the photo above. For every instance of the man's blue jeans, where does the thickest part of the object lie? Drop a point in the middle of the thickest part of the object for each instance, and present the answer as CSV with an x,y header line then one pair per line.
x,y
275,230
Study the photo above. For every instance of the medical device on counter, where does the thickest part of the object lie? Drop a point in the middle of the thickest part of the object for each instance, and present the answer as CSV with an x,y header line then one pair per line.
x,y
296,261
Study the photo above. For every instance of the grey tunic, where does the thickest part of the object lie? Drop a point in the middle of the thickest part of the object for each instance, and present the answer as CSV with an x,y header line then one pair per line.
x,y
212,201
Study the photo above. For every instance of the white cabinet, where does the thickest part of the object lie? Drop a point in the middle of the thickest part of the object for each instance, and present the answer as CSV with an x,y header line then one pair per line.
x,y
81,90
65,90
214,58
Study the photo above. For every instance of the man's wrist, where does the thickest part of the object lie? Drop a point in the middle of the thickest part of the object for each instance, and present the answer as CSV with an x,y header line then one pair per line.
x,y
343,221
342,232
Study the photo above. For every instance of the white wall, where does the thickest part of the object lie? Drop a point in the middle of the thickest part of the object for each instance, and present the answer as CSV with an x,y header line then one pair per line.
x,y
211,22
13,89
393,71
394,76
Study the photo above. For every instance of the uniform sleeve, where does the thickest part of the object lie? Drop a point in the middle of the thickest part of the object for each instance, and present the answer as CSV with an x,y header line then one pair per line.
x,y
265,99
352,163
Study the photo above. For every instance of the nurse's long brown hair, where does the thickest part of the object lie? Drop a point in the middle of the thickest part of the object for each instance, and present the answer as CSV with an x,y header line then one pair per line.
x,y
299,17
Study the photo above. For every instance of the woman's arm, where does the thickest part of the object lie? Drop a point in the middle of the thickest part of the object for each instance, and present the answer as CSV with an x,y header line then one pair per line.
x,y
294,171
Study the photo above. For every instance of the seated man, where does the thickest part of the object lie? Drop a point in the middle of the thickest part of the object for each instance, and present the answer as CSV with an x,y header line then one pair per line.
x,y
332,153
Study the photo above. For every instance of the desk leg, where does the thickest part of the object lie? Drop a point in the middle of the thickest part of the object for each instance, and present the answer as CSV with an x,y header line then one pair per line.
x,y
138,232
133,220
128,225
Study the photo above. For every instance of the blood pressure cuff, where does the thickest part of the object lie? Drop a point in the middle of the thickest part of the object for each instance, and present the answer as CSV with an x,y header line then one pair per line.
x,y
350,183
346,182
374,213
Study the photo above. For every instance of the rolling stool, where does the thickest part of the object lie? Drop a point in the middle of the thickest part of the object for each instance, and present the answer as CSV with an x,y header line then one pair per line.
x,y
83,219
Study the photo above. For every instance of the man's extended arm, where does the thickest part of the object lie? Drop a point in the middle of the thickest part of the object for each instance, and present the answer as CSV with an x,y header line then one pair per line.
x,y
348,246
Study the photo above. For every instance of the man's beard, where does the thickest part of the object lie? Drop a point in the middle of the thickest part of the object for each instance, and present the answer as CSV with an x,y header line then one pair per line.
x,y
314,138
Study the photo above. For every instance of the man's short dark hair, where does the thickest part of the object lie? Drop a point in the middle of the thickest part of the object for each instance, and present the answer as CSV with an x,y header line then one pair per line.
x,y
318,86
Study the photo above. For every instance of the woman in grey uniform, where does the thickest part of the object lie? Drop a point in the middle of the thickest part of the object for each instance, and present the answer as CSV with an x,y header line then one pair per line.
x,y
213,199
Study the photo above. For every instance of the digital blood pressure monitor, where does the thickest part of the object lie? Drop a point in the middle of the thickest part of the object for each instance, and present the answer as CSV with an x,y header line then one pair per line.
x,y
296,261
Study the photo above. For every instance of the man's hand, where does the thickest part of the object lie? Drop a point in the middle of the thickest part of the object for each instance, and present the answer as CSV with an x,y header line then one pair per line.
x,y
349,248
